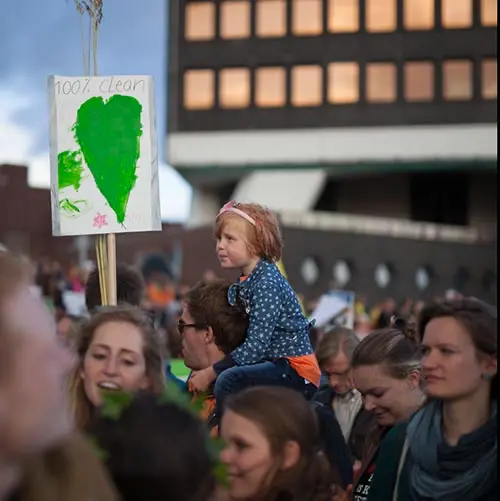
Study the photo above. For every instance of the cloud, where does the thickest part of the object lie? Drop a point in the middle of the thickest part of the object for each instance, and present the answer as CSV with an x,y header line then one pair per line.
x,y
132,41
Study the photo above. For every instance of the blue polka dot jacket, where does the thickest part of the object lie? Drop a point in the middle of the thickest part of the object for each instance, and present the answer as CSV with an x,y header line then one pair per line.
x,y
277,327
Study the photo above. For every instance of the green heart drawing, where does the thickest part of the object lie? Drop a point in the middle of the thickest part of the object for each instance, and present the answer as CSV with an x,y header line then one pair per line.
x,y
108,133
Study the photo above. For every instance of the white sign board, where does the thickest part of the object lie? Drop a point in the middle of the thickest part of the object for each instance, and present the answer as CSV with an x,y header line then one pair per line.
x,y
336,307
103,155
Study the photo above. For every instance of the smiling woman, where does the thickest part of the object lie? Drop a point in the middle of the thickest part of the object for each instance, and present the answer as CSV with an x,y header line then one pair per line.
x,y
117,350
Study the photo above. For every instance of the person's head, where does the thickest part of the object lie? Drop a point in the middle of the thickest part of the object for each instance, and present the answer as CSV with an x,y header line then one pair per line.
x,y
155,452
118,350
272,447
245,234
386,371
34,410
210,327
130,288
459,339
334,354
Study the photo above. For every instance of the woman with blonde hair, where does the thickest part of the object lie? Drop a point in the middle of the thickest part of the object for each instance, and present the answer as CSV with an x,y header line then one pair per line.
x,y
118,350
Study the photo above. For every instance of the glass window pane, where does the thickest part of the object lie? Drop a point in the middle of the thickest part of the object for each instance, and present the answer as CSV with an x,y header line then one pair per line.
x,y
343,16
381,82
200,21
381,15
234,88
235,19
418,14
489,12
198,89
307,86
343,83
419,81
307,17
489,79
270,87
457,80
271,18
456,14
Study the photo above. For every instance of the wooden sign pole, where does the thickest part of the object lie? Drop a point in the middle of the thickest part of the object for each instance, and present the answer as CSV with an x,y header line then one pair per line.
x,y
105,244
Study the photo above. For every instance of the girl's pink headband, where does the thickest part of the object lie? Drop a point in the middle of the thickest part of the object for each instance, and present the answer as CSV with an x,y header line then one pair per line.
x,y
230,207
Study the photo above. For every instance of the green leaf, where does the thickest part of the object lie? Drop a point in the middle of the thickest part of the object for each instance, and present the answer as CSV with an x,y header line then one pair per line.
x,y
114,403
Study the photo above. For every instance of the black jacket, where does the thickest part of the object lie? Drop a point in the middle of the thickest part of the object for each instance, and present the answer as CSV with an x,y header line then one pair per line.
x,y
363,423
333,443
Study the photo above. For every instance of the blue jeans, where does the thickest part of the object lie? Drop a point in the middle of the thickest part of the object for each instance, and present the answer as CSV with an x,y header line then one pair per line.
x,y
276,373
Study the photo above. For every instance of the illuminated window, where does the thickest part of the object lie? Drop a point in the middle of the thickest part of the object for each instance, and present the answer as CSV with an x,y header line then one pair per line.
x,y
419,81
200,21
307,17
343,83
456,14
307,86
343,16
234,88
381,15
270,87
271,18
381,82
489,12
198,89
489,79
418,14
457,80
235,19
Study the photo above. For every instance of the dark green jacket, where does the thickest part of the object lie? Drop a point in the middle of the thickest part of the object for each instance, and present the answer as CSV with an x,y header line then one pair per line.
x,y
384,478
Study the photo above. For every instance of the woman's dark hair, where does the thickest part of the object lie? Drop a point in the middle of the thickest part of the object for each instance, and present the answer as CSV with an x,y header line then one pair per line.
x,y
479,319
395,348
156,452
283,415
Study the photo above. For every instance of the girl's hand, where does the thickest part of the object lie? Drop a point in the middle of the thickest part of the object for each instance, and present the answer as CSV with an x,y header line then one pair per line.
x,y
201,380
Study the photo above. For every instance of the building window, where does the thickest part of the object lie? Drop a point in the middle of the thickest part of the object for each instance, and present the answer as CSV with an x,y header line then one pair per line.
x,y
198,89
381,82
418,14
270,87
489,79
457,80
234,19
456,14
234,88
200,21
419,81
343,16
271,18
307,17
307,86
343,83
381,15
489,12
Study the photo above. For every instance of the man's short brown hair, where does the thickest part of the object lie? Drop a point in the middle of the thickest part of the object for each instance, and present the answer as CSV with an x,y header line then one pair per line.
x,y
130,288
208,306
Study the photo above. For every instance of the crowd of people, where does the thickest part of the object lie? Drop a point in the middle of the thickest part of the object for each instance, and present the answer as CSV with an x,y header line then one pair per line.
x,y
401,408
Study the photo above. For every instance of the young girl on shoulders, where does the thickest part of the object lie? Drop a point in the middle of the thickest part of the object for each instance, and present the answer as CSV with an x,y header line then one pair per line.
x,y
277,350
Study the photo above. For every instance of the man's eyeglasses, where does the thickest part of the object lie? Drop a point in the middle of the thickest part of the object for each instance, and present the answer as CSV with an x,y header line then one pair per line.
x,y
181,325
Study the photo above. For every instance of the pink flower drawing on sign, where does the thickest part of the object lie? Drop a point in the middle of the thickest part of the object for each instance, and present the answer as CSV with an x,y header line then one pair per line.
x,y
100,220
